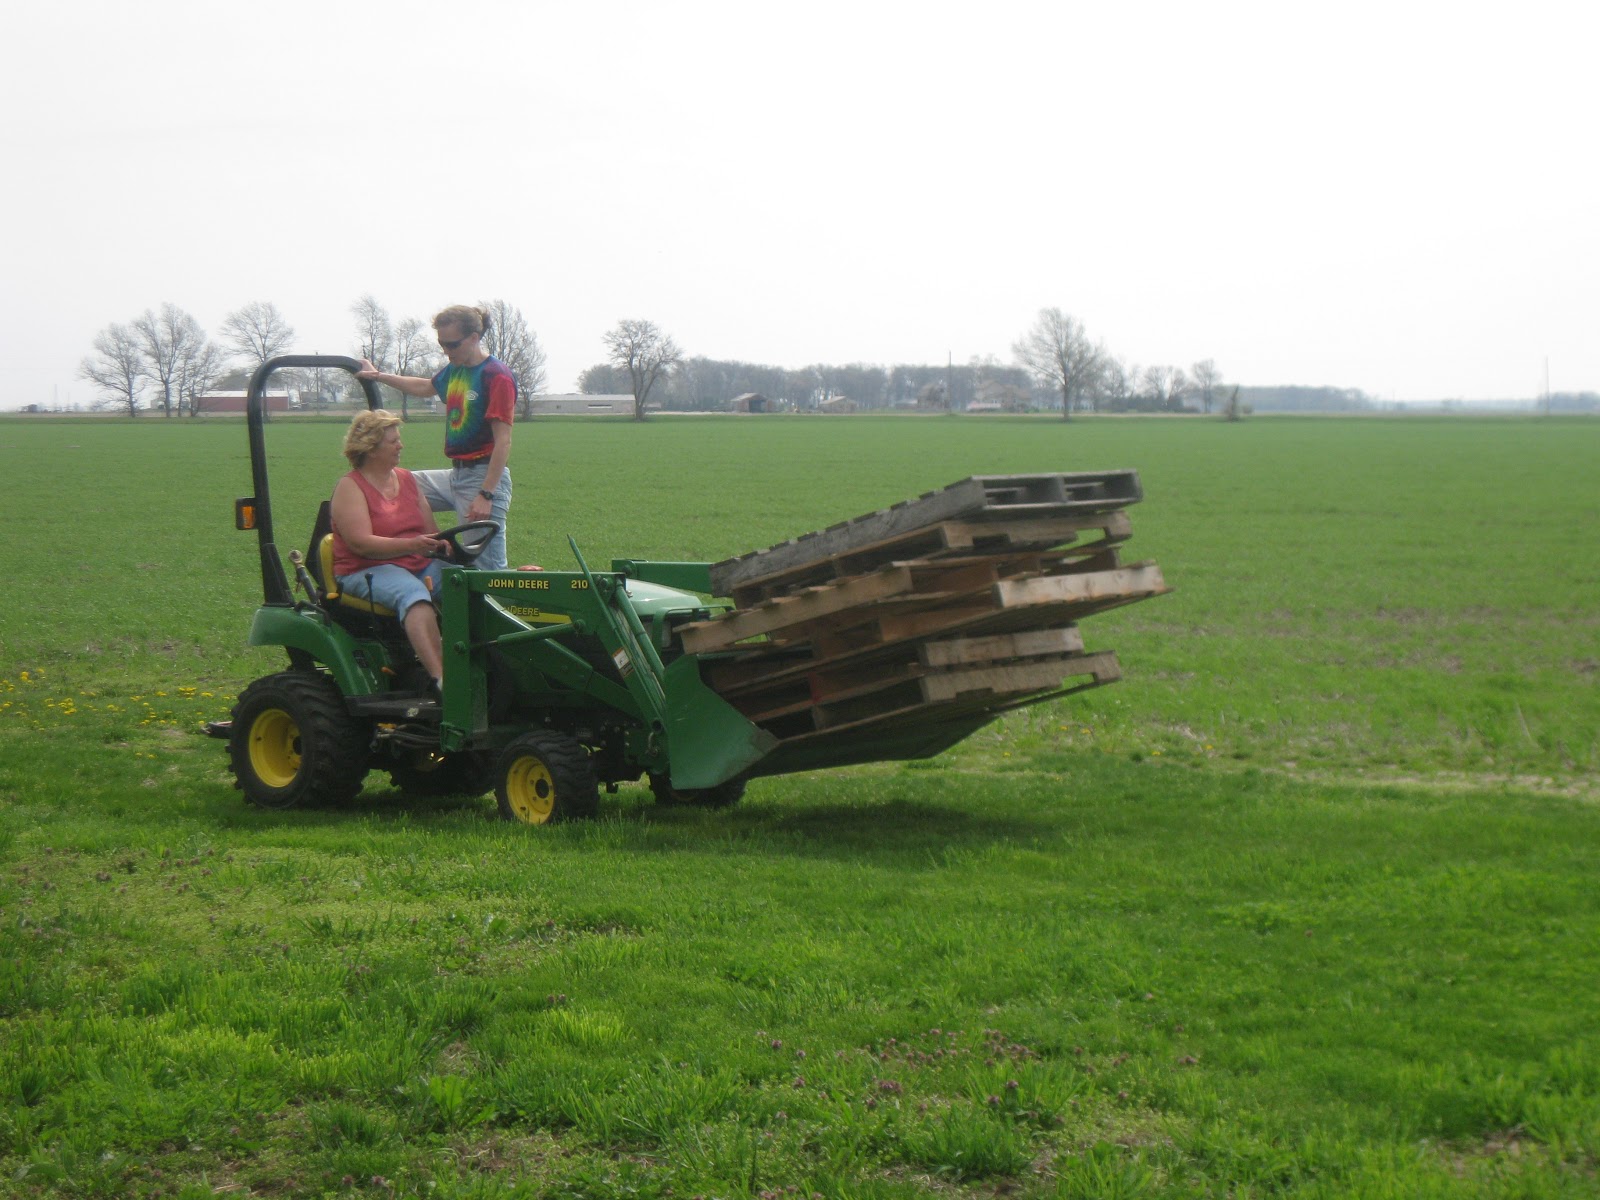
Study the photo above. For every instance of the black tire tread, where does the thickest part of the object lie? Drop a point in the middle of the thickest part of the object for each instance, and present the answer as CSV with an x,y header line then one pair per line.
x,y
333,761
571,769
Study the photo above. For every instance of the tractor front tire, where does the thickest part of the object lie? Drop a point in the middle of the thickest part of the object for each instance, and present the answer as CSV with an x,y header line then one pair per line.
x,y
293,742
430,773
724,795
546,777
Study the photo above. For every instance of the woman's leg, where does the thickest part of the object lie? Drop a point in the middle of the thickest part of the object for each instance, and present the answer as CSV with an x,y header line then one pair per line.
x,y
422,628
412,597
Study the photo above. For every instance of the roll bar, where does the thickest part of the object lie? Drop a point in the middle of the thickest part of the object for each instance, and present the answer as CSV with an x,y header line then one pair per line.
x,y
274,582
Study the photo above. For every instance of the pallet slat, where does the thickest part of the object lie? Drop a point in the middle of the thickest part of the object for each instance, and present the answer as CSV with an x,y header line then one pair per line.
x,y
946,539
980,497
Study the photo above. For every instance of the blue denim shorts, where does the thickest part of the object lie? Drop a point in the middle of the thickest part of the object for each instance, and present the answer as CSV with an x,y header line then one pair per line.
x,y
452,489
394,586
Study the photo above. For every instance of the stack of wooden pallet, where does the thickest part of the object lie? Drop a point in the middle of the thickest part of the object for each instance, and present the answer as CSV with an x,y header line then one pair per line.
x,y
904,630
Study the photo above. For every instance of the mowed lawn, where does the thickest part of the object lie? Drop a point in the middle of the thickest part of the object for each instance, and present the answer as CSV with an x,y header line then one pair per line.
x,y
1306,905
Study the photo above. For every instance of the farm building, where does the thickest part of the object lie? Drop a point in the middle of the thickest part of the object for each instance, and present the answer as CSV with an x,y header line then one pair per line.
x,y
234,402
579,404
751,402
993,395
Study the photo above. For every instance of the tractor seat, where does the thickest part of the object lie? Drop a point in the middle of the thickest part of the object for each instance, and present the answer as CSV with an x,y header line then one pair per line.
x,y
330,584
319,558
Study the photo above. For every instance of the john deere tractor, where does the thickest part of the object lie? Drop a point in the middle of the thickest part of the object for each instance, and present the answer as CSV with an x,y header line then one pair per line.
x,y
891,636
555,682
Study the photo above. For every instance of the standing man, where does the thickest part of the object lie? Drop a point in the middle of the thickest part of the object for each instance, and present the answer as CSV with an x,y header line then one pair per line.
x,y
480,400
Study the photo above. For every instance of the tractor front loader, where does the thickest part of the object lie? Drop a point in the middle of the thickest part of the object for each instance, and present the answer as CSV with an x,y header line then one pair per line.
x,y
890,637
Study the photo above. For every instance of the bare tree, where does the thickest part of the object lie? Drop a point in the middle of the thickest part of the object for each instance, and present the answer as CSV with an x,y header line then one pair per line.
x,y
1116,385
1059,352
1166,388
374,332
117,368
166,339
644,352
510,340
198,372
257,332
414,354
1206,381
602,379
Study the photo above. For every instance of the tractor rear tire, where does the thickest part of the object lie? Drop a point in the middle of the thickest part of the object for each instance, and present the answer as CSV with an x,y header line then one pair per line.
x,y
425,773
546,777
293,742
724,795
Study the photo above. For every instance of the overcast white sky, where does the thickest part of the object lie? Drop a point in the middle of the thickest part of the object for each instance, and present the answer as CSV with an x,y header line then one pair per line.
x,y
1398,197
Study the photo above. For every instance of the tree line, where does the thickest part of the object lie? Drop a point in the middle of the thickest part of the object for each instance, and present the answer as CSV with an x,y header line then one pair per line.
x,y
166,360
1056,365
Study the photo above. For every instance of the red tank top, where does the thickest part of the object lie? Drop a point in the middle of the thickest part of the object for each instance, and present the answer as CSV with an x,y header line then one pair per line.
x,y
397,518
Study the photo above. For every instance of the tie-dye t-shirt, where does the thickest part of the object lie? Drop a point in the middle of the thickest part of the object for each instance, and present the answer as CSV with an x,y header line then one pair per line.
x,y
474,396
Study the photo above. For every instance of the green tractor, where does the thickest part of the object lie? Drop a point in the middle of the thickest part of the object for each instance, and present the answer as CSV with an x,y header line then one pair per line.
x,y
892,636
555,682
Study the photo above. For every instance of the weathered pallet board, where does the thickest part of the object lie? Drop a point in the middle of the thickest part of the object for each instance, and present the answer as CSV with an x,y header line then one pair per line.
x,y
895,685
1002,647
945,539
897,602
920,583
1136,582
979,498
797,676
984,686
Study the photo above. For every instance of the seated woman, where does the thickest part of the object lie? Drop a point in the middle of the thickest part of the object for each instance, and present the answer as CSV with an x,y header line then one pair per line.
x,y
382,535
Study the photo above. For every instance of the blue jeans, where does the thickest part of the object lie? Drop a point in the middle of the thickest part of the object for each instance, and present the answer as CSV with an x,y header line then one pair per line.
x,y
395,587
452,489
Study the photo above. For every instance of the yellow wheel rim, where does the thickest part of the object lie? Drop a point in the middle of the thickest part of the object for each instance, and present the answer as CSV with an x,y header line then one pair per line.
x,y
275,748
530,790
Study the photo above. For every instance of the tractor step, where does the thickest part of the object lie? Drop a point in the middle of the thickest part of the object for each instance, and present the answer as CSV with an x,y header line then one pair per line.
x,y
395,708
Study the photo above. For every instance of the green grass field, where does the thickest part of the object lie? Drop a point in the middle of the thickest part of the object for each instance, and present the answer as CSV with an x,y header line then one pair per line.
x,y
1305,906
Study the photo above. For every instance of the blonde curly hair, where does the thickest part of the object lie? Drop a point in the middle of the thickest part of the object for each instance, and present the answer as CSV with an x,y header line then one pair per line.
x,y
366,431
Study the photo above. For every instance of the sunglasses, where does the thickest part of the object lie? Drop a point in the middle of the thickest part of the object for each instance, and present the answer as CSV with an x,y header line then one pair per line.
x,y
452,345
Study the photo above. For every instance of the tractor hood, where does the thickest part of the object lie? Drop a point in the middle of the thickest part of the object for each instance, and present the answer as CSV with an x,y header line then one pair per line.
x,y
654,599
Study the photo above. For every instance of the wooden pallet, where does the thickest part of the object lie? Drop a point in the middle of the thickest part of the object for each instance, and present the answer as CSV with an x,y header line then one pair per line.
x,y
921,600
967,689
943,540
802,684
899,633
980,498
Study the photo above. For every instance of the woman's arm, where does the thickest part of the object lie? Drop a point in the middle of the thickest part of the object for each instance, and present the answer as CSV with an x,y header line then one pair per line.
x,y
411,385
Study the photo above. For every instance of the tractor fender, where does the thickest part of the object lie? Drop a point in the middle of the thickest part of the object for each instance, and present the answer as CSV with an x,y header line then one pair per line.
x,y
295,629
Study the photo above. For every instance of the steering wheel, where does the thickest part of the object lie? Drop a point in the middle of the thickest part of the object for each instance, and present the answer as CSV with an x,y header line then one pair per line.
x,y
468,540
